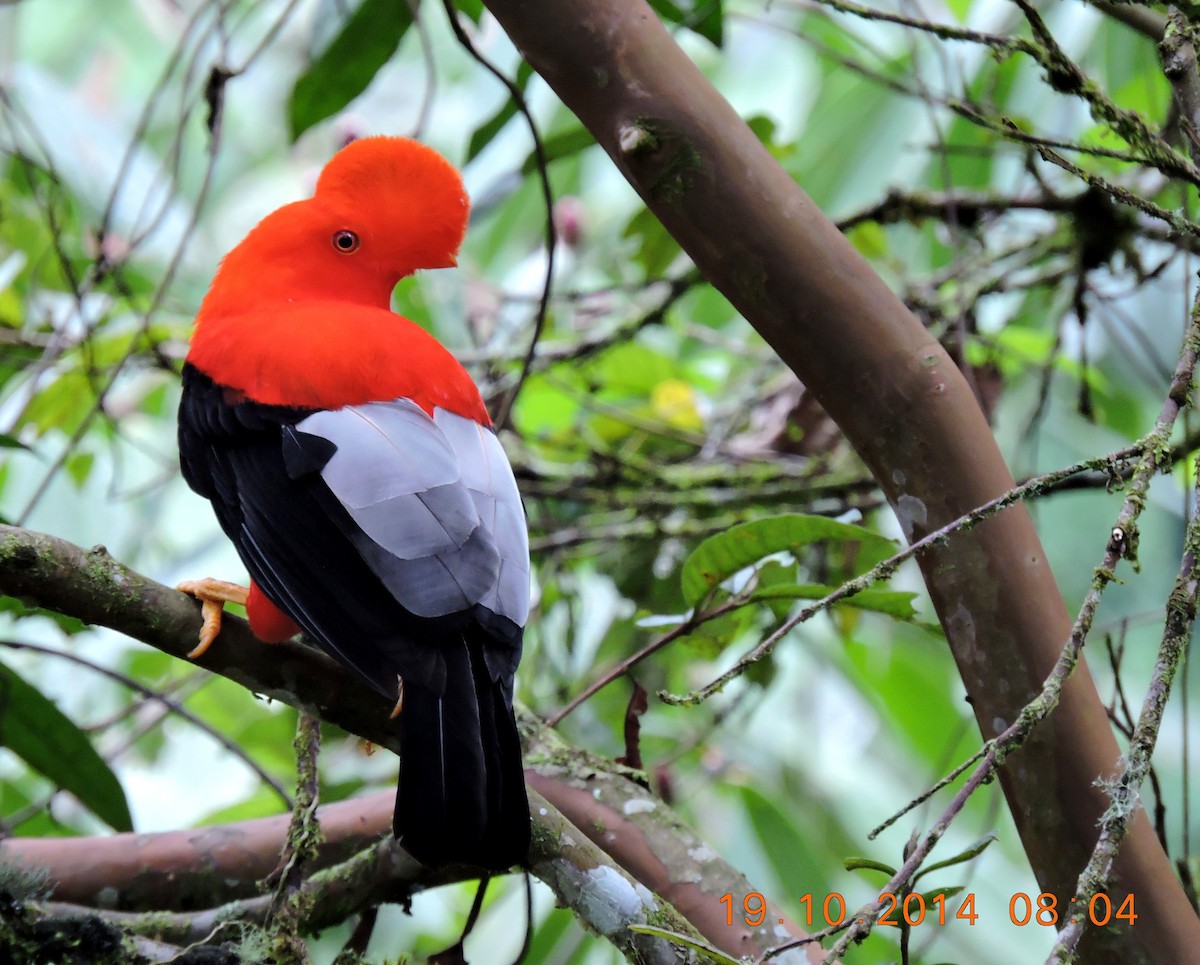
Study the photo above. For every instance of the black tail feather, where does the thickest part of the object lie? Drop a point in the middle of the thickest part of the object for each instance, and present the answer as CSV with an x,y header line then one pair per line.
x,y
506,835
462,787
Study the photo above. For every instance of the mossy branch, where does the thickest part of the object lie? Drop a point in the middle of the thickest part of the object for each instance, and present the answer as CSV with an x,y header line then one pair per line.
x,y
141,874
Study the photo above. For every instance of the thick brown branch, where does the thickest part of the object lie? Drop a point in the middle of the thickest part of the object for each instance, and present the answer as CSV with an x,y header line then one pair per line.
x,y
202,867
189,870
379,873
91,585
894,392
1149,23
604,896
624,819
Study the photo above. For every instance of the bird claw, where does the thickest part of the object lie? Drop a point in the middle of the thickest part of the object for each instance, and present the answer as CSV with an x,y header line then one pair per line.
x,y
213,595
399,698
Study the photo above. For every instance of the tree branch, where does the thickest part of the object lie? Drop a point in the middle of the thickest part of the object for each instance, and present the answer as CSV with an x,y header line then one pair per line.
x,y
202,867
217,868
895,393
1149,23
622,817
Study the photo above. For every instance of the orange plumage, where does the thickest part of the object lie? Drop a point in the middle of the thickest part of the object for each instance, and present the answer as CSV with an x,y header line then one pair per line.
x,y
351,461
287,304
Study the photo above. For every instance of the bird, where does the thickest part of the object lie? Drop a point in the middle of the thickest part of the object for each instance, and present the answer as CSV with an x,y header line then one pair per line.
x,y
352,462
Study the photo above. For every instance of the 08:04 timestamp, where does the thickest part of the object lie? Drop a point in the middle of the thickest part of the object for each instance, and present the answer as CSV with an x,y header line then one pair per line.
x,y
915,910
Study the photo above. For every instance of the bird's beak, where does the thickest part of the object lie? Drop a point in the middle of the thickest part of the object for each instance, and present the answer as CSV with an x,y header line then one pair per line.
x,y
450,262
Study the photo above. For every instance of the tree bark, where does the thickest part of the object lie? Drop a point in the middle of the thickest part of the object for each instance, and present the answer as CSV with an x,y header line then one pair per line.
x,y
193,871
901,402
197,867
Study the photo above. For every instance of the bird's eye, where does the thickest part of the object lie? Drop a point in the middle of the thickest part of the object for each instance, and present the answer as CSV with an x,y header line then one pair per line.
x,y
345,241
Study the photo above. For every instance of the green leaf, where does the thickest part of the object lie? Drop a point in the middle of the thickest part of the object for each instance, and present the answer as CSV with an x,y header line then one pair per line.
x,y
868,864
894,603
472,8
765,129
656,249
720,556
34,729
556,939
943,893
79,467
11,442
713,636
869,238
263,802
705,17
366,42
483,134
909,680
670,12
63,404
960,9
974,851
19,610
548,410
631,369
797,835
696,945
709,21
560,145
772,578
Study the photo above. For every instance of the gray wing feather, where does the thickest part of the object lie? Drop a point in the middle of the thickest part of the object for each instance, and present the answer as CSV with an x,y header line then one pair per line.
x,y
488,477
416,525
436,503
384,449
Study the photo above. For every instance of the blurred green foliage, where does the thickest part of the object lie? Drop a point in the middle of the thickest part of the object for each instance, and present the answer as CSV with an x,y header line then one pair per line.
x,y
667,459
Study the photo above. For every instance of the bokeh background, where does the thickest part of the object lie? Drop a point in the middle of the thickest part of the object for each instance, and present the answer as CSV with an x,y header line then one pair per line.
x,y
651,419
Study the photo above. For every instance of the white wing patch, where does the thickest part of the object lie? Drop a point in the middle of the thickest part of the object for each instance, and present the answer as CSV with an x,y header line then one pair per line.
x,y
489,479
435,502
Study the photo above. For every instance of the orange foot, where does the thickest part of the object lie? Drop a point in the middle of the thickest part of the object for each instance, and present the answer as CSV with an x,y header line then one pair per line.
x,y
213,595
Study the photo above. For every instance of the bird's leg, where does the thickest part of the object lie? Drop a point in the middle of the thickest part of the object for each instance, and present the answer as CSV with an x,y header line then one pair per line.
x,y
455,952
213,595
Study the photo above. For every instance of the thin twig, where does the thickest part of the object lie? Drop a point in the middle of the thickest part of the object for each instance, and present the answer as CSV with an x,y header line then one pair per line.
x,y
1121,545
300,848
693,621
504,412
885,569
173,706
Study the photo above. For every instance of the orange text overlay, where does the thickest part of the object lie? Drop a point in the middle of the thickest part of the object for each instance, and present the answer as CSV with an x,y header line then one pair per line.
x,y
936,908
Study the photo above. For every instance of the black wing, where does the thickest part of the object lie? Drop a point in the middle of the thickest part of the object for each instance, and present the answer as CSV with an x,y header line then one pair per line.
x,y
351,524
363,525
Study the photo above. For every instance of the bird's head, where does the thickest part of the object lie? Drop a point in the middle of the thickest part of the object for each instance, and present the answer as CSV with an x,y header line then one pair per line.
x,y
402,200
384,207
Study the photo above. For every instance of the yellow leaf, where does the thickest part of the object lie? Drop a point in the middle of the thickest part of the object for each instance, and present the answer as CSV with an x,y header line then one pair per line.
x,y
674,402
